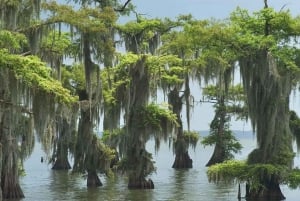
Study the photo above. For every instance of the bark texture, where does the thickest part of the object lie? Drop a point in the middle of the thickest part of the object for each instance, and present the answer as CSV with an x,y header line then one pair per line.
x,y
182,158
93,179
268,91
139,162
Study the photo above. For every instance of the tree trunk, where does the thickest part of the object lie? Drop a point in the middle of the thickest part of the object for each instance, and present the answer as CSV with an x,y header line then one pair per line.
x,y
182,158
93,179
84,139
61,163
139,161
270,191
11,188
218,124
61,154
0,165
9,172
218,155
140,183
10,178
268,102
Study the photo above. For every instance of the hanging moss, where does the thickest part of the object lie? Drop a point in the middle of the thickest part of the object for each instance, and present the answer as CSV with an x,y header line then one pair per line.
x,y
268,65
156,117
191,138
112,137
240,172
34,73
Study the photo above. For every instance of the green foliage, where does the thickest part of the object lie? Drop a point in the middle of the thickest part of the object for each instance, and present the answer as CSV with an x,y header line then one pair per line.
x,y
99,155
115,80
220,134
294,123
87,20
141,36
113,137
256,175
137,27
172,79
56,43
142,169
280,38
191,138
73,78
34,73
166,70
128,59
12,41
235,93
177,43
156,117
260,174
227,140
228,171
293,179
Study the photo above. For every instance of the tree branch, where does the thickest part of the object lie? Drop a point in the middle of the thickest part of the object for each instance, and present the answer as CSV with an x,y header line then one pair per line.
x,y
266,3
123,7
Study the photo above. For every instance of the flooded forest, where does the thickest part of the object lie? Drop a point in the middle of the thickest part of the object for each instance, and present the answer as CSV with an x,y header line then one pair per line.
x,y
85,80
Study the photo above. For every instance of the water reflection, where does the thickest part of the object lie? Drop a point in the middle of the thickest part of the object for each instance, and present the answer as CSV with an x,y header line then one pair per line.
x,y
180,177
43,184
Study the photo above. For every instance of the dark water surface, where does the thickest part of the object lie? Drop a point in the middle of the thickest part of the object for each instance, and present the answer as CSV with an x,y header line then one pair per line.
x,y
43,184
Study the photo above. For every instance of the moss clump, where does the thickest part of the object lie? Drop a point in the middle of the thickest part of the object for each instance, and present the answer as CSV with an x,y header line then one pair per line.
x,y
240,171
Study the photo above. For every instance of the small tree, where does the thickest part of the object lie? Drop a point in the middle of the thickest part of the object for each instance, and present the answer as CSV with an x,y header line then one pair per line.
x,y
220,134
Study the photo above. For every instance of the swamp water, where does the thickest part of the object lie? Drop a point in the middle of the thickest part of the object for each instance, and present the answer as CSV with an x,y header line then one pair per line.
x,y
43,184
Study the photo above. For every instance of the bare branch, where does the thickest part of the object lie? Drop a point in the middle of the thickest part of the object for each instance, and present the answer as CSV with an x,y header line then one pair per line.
x,y
123,7
266,3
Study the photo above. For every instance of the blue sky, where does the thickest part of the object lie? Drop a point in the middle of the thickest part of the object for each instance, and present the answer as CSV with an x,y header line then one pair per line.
x,y
200,9
205,9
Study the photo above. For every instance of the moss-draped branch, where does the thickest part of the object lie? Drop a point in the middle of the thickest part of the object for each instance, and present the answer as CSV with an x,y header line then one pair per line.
x,y
35,74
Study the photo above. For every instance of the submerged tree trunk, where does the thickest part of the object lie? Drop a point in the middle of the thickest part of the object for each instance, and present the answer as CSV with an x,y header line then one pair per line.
x,y
136,175
218,155
8,131
218,124
93,179
139,161
83,160
62,161
268,102
182,158
270,191
84,138
10,178
140,183
65,129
